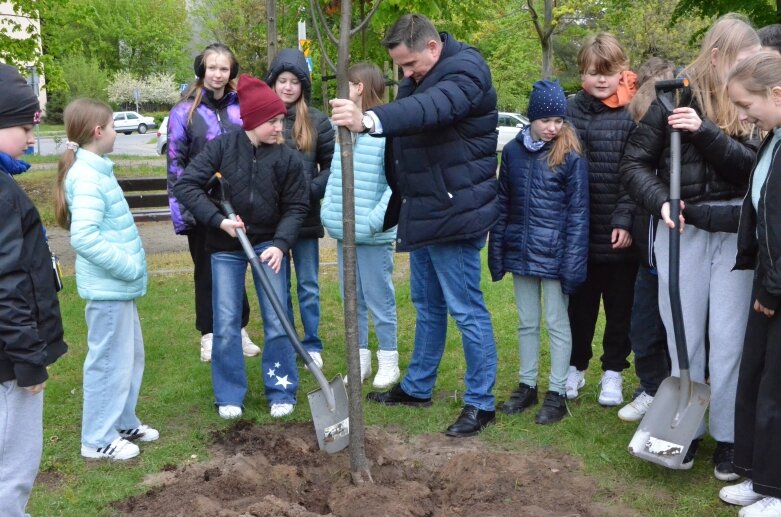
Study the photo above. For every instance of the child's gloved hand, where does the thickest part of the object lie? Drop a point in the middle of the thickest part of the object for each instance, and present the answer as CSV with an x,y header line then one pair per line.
x,y
272,256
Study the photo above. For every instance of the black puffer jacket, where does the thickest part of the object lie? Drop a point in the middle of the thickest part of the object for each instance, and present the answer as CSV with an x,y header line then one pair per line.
x,y
442,164
317,162
31,335
603,131
268,191
714,165
759,233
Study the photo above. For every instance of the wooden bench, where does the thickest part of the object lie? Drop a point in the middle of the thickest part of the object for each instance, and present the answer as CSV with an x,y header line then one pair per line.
x,y
147,198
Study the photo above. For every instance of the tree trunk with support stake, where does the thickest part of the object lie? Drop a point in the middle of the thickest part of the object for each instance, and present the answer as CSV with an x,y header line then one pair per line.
x,y
271,12
359,469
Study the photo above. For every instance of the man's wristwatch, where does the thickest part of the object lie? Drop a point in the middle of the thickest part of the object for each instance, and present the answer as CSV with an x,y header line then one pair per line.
x,y
367,123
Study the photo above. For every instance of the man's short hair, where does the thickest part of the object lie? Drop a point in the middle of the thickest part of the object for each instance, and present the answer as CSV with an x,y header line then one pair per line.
x,y
770,36
412,30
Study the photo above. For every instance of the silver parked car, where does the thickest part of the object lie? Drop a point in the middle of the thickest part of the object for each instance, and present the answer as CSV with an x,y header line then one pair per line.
x,y
162,137
509,126
129,121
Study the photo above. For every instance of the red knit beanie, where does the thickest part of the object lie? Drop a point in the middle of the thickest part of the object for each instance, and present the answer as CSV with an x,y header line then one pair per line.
x,y
257,102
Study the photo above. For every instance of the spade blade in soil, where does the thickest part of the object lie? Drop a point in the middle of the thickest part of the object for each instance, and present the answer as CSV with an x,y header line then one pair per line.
x,y
332,427
671,423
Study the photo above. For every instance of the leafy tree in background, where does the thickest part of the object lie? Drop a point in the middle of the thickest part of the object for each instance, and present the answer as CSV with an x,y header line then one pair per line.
x,y
760,12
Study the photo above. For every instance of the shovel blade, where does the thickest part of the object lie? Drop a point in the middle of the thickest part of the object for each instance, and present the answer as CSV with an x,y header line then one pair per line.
x,y
331,427
665,433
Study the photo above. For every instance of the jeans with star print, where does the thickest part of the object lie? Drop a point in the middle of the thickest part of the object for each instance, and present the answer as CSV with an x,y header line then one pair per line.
x,y
278,362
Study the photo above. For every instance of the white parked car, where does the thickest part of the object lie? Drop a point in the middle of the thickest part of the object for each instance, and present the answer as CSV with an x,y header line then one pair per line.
x,y
162,137
129,121
509,126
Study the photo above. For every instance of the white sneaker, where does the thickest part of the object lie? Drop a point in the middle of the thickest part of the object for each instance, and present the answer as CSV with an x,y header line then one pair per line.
x,y
229,412
249,348
636,409
206,347
142,433
119,449
576,379
610,394
366,365
317,358
387,369
767,507
280,410
741,494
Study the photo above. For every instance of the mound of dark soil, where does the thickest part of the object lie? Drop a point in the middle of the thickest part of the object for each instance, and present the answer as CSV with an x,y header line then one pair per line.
x,y
277,470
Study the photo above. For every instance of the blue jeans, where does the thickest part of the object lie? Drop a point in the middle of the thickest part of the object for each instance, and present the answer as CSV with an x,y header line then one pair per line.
x,y
374,287
278,363
529,295
306,260
113,370
647,333
446,278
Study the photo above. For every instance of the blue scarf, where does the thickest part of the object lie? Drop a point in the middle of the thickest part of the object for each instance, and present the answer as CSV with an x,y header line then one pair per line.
x,y
12,166
529,143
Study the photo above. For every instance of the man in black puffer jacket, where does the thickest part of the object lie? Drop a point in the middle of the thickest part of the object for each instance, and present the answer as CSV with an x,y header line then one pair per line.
x,y
442,133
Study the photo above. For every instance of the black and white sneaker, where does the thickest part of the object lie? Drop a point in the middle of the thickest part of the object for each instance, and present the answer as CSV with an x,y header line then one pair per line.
x,y
142,433
722,459
119,449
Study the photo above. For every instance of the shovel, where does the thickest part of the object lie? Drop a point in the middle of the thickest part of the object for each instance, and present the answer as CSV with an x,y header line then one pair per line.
x,y
327,404
674,417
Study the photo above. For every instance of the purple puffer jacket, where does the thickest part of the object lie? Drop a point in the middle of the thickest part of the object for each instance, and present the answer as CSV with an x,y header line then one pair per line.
x,y
211,119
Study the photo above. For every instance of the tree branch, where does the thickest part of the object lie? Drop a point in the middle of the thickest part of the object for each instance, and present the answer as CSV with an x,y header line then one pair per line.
x,y
368,17
316,9
535,19
323,50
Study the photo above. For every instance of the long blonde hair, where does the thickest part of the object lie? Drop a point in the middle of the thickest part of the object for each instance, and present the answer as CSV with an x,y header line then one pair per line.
x,y
729,35
81,116
196,90
304,133
565,142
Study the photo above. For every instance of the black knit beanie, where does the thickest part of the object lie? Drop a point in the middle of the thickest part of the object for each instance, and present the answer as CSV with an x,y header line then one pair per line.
x,y
18,103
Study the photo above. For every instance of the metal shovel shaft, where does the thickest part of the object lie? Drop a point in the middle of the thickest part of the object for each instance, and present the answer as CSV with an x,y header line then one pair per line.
x,y
282,315
674,287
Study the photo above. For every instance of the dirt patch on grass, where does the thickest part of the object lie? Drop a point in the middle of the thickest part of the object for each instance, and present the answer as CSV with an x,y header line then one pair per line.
x,y
278,470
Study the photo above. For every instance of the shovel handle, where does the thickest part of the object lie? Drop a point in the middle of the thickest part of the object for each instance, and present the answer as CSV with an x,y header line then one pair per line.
x,y
675,251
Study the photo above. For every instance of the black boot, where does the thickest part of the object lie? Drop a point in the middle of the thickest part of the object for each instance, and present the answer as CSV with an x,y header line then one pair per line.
x,y
396,396
470,422
521,398
553,409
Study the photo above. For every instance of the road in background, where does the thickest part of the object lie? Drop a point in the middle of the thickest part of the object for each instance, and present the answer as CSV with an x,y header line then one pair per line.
x,y
135,144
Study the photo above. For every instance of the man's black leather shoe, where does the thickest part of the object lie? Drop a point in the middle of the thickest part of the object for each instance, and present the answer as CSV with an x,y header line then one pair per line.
x,y
396,396
521,398
470,422
553,409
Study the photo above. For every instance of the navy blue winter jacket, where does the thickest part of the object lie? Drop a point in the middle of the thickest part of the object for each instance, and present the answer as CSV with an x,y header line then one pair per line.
x,y
442,134
543,217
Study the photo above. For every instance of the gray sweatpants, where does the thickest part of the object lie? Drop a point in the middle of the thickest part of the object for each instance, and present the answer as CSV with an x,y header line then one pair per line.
x,y
715,300
21,444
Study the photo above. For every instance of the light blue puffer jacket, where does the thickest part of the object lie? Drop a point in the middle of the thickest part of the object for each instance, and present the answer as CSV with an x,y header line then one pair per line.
x,y
110,259
371,193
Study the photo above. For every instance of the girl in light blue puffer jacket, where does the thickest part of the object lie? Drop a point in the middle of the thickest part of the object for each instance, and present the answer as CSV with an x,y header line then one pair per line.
x,y
110,275
374,247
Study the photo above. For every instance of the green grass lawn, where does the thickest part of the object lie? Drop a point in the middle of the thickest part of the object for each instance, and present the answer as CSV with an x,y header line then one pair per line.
x,y
176,398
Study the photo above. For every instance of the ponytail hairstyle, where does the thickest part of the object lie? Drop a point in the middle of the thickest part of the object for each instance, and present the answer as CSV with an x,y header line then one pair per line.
x,y
565,142
81,116
373,82
758,74
654,69
197,87
729,36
